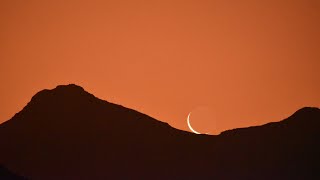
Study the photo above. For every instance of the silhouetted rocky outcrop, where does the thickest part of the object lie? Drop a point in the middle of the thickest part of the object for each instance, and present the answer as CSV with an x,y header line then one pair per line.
x,y
67,133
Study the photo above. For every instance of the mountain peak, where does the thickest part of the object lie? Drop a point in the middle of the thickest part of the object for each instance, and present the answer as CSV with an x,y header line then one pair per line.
x,y
312,114
69,90
306,110
62,95
70,87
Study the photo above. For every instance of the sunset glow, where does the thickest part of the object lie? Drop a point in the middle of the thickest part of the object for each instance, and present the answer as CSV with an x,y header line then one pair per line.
x,y
257,59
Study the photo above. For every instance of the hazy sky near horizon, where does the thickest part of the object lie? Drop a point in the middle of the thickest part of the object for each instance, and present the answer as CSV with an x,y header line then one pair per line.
x,y
246,62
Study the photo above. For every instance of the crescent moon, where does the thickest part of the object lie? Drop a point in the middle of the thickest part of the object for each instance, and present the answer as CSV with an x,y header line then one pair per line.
x,y
189,125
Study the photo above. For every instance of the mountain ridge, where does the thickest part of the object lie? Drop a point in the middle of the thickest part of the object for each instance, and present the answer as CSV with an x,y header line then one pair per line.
x,y
300,112
72,92
68,133
73,88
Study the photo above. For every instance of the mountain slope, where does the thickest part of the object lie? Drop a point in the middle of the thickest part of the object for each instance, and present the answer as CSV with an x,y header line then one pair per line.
x,y
67,133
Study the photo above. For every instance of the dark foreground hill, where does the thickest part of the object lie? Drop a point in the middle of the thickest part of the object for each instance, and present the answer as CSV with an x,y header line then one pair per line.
x,y
67,133
5,174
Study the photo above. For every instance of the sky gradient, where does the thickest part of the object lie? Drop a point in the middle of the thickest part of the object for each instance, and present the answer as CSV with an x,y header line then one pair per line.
x,y
233,63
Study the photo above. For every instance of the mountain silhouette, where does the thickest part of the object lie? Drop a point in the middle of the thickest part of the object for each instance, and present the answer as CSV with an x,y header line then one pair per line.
x,y
68,133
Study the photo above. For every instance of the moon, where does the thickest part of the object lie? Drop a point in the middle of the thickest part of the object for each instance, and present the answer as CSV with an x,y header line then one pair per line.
x,y
189,125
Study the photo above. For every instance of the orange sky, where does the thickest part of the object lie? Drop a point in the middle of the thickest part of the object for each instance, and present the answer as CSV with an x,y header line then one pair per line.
x,y
249,62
